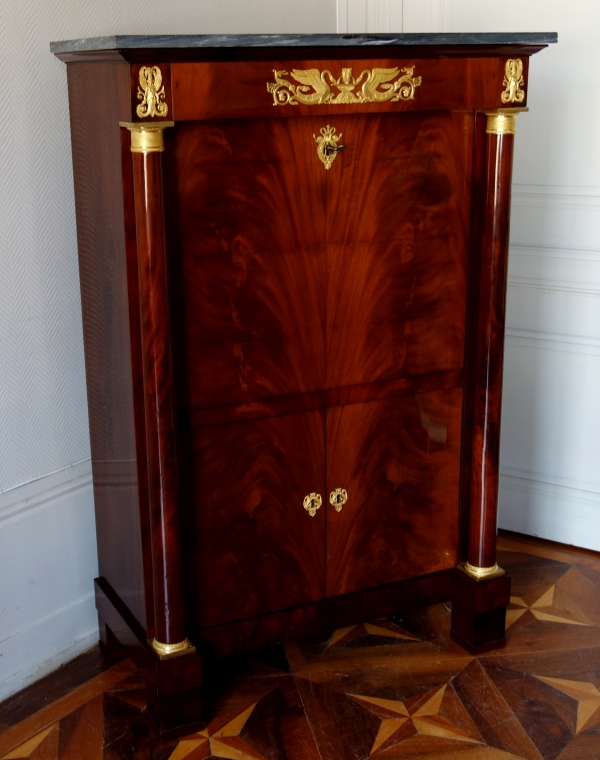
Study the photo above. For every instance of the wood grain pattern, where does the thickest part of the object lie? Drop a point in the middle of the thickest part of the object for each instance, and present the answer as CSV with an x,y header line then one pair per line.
x,y
251,233
487,352
328,326
105,310
163,475
326,399
251,547
337,612
62,707
232,90
137,374
399,461
398,204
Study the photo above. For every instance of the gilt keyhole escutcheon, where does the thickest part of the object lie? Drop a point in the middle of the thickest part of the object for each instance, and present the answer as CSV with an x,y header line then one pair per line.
x,y
312,502
338,498
327,145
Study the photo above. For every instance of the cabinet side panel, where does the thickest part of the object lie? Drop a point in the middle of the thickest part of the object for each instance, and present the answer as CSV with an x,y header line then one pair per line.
x,y
105,308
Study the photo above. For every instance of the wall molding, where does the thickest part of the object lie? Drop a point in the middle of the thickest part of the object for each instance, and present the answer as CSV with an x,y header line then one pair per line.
x,y
534,505
553,340
48,551
555,252
45,491
556,286
76,624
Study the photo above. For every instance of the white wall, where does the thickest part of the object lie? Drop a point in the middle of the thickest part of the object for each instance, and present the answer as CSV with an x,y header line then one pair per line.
x,y
47,538
550,462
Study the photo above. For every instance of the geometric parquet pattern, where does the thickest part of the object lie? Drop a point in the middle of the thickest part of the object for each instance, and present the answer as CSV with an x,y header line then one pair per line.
x,y
392,688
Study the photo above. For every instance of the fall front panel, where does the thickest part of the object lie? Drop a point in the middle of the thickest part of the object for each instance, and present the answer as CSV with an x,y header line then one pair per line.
x,y
247,244
398,462
250,545
398,202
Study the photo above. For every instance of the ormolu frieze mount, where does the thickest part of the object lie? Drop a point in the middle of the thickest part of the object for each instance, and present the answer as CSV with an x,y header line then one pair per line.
x,y
513,80
318,87
151,92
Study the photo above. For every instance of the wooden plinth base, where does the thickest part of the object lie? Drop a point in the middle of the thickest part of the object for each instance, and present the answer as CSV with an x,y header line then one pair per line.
x,y
172,685
479,612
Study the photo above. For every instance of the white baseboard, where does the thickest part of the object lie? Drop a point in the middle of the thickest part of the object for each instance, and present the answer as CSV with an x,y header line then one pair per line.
x,y
48,561
557,512
46,645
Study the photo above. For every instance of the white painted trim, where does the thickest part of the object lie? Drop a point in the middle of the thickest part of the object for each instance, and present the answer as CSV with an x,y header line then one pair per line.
x,y
550,340
47,564
380,17
342,16
538,507
63,473
50,637
555,252
530,283
446,16
43,492
581,191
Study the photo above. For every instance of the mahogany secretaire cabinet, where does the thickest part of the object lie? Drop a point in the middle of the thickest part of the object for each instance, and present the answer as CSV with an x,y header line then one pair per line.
x,y
293,257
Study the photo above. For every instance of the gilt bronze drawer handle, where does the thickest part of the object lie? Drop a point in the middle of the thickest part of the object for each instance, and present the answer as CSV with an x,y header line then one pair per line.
x,y
312,502
327,145
338,498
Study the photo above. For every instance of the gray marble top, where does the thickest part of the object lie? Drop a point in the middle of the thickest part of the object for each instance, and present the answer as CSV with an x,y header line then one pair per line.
x,y
124,42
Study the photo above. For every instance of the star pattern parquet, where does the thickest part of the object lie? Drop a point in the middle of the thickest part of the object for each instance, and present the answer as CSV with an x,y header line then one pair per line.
x,y
389,689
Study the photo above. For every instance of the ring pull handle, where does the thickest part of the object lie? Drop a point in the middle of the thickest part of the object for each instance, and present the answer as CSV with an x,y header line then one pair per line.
x,y
338,498
312,502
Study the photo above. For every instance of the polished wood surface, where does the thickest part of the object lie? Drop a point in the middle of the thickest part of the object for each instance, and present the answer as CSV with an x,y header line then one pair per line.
x,y
163,476
325,399
97,174
399,461
488,350
250,233
232,90
258,328
396,687
342,611
398,211
137,374
250,545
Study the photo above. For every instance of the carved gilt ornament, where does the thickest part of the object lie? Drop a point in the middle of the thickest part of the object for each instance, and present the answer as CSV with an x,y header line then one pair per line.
x,y
319,87
513,80
151,92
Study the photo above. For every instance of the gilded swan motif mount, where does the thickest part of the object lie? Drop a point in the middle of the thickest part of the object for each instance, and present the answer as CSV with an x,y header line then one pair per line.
x,y
318,87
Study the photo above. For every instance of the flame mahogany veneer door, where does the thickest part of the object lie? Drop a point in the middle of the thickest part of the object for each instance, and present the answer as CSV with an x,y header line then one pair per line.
x,y
399,461
250,545
249,235
397,246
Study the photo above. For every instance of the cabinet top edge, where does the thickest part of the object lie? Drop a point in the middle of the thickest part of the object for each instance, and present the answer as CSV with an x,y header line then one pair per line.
x,y
184,41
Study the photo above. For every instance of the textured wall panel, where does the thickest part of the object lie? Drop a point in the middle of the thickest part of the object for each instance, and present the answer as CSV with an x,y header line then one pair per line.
x,y
43,417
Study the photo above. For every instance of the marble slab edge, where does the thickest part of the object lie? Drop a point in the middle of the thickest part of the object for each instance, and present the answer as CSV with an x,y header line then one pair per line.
x,y
132,42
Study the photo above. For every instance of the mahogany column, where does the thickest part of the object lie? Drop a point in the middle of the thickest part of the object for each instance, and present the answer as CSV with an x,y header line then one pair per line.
x,y
487,371
482,591
147,145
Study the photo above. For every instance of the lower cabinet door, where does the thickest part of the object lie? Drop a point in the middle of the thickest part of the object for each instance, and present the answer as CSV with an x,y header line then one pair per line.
x,y
251,546
398,462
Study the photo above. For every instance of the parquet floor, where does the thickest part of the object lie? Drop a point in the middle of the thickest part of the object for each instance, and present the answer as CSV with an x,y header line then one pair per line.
x,y
392,688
